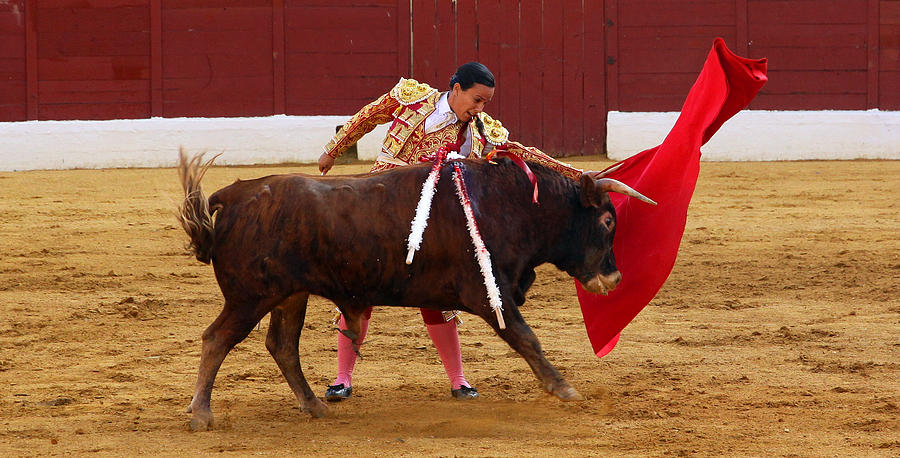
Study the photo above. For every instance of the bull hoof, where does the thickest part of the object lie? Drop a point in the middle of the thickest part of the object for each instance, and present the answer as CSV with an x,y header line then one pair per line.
x,y
316,408
201,423
567,393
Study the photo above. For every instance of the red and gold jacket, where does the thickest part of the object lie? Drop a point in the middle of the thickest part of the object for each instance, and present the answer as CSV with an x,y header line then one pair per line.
x,y
406,106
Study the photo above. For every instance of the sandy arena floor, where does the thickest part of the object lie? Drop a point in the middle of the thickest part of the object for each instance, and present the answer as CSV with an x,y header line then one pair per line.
x,y
778,333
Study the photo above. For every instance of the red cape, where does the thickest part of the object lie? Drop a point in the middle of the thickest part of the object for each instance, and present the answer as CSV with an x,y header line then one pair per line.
x,y
647,238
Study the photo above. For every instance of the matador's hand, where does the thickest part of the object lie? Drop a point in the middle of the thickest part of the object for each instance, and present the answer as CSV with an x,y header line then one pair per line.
x,y
326,162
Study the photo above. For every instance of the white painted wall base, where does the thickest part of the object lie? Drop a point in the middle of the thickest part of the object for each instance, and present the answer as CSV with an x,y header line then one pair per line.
x,y
155,142
749,136
754,135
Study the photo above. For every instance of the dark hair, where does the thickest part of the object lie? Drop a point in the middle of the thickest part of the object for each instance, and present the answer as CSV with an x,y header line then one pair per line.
x,y
470,73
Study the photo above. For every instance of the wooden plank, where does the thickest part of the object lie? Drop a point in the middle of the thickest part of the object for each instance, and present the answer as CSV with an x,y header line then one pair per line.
x,y
889,47
889,92
121,19
694,13
741,28
649,59
91,4
764,101
507,92
221,86
278,57
817,82
822,59
808,11
552,59
872,55
531,101
358,87
12,68
573,78
31,58
93,43
594,79
224,108
218,19
673,37
654,91
339,3
94,91
424,42
215,65
489,17
93,111
316,106
466,32
403,22
193,43
445,49
358,18
95,68
156,59
187,4
809,35
12,18
343,64
13,45
343,41
611,61
889,12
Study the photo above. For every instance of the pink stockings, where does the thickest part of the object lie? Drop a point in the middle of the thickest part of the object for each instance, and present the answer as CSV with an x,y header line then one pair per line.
x,y
443,334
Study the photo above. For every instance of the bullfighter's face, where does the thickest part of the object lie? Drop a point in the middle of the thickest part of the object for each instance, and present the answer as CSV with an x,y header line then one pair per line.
x,y
467,103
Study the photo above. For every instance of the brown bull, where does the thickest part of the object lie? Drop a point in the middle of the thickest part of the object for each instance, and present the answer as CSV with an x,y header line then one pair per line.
x,y
280,238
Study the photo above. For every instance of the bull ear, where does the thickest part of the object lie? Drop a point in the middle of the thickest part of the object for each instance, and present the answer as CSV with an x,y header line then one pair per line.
x,y
590,194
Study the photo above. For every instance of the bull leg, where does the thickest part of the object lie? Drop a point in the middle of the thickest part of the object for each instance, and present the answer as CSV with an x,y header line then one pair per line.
x,y
520,337
282,341
232,326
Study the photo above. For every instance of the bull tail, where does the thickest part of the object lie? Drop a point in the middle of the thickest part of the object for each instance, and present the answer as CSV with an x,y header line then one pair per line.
x,y
194,213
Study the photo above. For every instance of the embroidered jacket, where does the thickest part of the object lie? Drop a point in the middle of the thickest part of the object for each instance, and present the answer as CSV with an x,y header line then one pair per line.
x,y
407,106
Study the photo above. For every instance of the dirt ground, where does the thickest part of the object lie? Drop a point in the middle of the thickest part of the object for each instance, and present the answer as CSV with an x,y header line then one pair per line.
x,y
776,334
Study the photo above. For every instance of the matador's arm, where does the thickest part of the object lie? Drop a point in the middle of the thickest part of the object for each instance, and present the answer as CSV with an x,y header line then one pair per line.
x,y
530,153
378,112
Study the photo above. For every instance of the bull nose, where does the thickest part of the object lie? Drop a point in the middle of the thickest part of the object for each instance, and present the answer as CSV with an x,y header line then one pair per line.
x,y
603,284
612,280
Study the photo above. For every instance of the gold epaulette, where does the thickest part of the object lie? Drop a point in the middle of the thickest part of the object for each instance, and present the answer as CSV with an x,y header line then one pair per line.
x,y
494,132
409,91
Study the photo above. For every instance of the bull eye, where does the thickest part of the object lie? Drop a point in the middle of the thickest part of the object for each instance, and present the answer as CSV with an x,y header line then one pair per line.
x,y
609,222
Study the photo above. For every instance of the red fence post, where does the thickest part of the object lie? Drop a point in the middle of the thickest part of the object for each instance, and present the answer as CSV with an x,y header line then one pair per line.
x,y
278,46
404,38
872,45
611,59
156,87
594,78
31,61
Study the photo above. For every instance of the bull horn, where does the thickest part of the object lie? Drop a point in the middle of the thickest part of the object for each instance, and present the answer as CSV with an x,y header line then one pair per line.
x,y
607,171
608,184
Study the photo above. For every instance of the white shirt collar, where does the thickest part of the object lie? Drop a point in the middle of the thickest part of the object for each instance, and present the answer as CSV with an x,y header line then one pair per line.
x,y
443,109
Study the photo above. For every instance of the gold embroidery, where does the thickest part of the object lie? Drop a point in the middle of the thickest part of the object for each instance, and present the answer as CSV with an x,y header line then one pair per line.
x,y
409,91
494,132
378,112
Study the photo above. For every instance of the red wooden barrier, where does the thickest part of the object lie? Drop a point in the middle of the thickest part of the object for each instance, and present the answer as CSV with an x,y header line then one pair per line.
x,y
560,65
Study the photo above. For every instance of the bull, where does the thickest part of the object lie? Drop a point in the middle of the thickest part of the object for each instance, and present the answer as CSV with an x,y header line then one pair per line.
x,y
276,240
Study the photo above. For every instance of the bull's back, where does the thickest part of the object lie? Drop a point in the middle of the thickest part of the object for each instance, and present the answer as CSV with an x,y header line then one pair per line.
x,y
332,235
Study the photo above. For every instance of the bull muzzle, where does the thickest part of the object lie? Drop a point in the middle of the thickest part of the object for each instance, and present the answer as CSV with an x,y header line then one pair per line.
x,y
603,284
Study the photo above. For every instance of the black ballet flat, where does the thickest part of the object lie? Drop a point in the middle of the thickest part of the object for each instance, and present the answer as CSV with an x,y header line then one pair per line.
x,y
465,393
337,393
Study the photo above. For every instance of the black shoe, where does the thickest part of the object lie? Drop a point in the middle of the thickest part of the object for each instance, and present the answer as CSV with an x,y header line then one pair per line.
x,y
337,393
464,393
